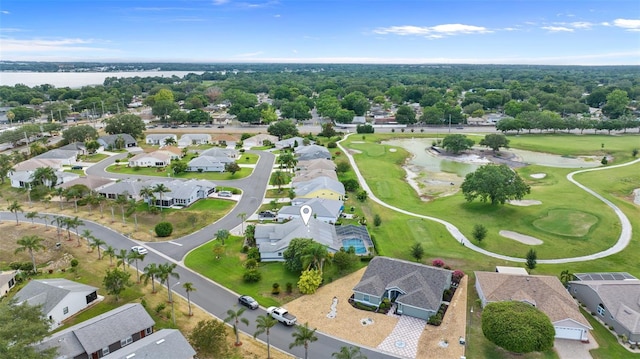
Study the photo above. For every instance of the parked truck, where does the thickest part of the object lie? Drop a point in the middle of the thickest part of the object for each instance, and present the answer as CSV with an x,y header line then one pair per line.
x,y
282,315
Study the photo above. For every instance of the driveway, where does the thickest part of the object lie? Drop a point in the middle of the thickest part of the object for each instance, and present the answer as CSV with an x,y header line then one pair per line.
x,y
574,349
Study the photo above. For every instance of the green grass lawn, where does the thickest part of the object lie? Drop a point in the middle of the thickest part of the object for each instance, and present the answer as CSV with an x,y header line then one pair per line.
x,y
398,231
164,172
96,157
275,193
248,159
228,271
609,348
78,172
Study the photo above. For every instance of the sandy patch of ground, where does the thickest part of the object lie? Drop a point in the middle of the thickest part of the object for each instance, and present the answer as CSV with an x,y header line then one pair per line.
x,y
538,175
452,328
393,150
357,142
522,238
525,202
348,321
636,196
429,185
354,152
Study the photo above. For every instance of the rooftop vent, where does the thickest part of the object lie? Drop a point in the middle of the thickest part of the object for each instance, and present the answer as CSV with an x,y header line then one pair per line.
x,y
160,341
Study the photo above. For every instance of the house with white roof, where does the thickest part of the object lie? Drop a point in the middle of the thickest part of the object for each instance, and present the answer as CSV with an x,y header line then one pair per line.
x,y
259,140
59,298
153,159
194,139
159,139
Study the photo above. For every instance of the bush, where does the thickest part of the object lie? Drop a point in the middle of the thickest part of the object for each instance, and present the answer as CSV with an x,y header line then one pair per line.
x,y
377,221
251,263
435,319
253,253
289,288
160,307
252,276
74,263
517,327
364,129
164,229
275,289
332,144
438,263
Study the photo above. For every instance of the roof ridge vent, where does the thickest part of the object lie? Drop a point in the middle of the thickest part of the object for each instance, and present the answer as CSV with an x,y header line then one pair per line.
x,y
160,341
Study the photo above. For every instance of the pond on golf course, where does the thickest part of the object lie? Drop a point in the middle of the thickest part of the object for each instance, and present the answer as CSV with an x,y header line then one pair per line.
x,y
432,175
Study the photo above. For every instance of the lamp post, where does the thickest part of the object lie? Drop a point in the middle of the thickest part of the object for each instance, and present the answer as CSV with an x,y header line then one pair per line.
x,y
173,312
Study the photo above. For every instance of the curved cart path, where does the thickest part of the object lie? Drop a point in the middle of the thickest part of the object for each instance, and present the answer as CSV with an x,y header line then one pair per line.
x,y
623,240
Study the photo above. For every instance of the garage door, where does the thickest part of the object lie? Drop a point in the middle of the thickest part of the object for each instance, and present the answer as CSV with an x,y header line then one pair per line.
x,y
568,333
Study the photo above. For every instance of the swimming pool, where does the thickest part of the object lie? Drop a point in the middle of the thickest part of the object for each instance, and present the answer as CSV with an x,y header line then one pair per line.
x,y
356,243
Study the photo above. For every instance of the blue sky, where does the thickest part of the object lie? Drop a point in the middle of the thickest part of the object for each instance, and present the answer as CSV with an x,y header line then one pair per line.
x,y
572,32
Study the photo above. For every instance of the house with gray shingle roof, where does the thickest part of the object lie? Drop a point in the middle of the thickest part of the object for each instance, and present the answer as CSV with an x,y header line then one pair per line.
x,y
208,164
613,297
22,179
416,289
102,335
290,143
66,157
182,193
220,152
325,210
312,152
131,186
163,344
273,239
302,176
93,183
541,291
109,141
318,164
59,298
152,159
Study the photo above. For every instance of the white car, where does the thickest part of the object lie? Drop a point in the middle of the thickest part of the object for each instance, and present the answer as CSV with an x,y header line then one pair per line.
x,y
139,249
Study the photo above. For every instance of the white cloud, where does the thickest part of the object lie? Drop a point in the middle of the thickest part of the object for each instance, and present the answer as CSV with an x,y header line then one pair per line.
x,y
557,29
605,24
10,29
5,12
220,2
629,24
581,25
276,15
40,45
434,32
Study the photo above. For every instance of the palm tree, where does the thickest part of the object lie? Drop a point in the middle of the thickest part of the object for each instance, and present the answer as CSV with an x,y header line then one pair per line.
x,y
236,317
111,252
122,257
169,141
188,288
100,201
565,277
122,201
14,208
279,178
59,191
96,243
315,255
31,244
132,207
264,323
32,216
147,193
75,192
134,256
222,235
162,189
150,272
74,223
59,223
166,272
45,176
349,353
243,217
303,336
46,221
88,236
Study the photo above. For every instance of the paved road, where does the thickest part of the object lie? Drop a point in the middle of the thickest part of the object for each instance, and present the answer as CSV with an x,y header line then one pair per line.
x,y
253,191
209,295
623,239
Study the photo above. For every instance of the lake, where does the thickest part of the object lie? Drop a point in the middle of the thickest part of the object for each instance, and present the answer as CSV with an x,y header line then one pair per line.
x,y
77,79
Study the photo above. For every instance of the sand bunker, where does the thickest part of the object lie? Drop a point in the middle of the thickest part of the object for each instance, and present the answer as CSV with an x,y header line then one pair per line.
x,y
636,196
538,175
392,150
522,238
525,202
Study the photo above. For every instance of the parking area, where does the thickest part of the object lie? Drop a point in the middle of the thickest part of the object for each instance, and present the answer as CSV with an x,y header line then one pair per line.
x,y
574,349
